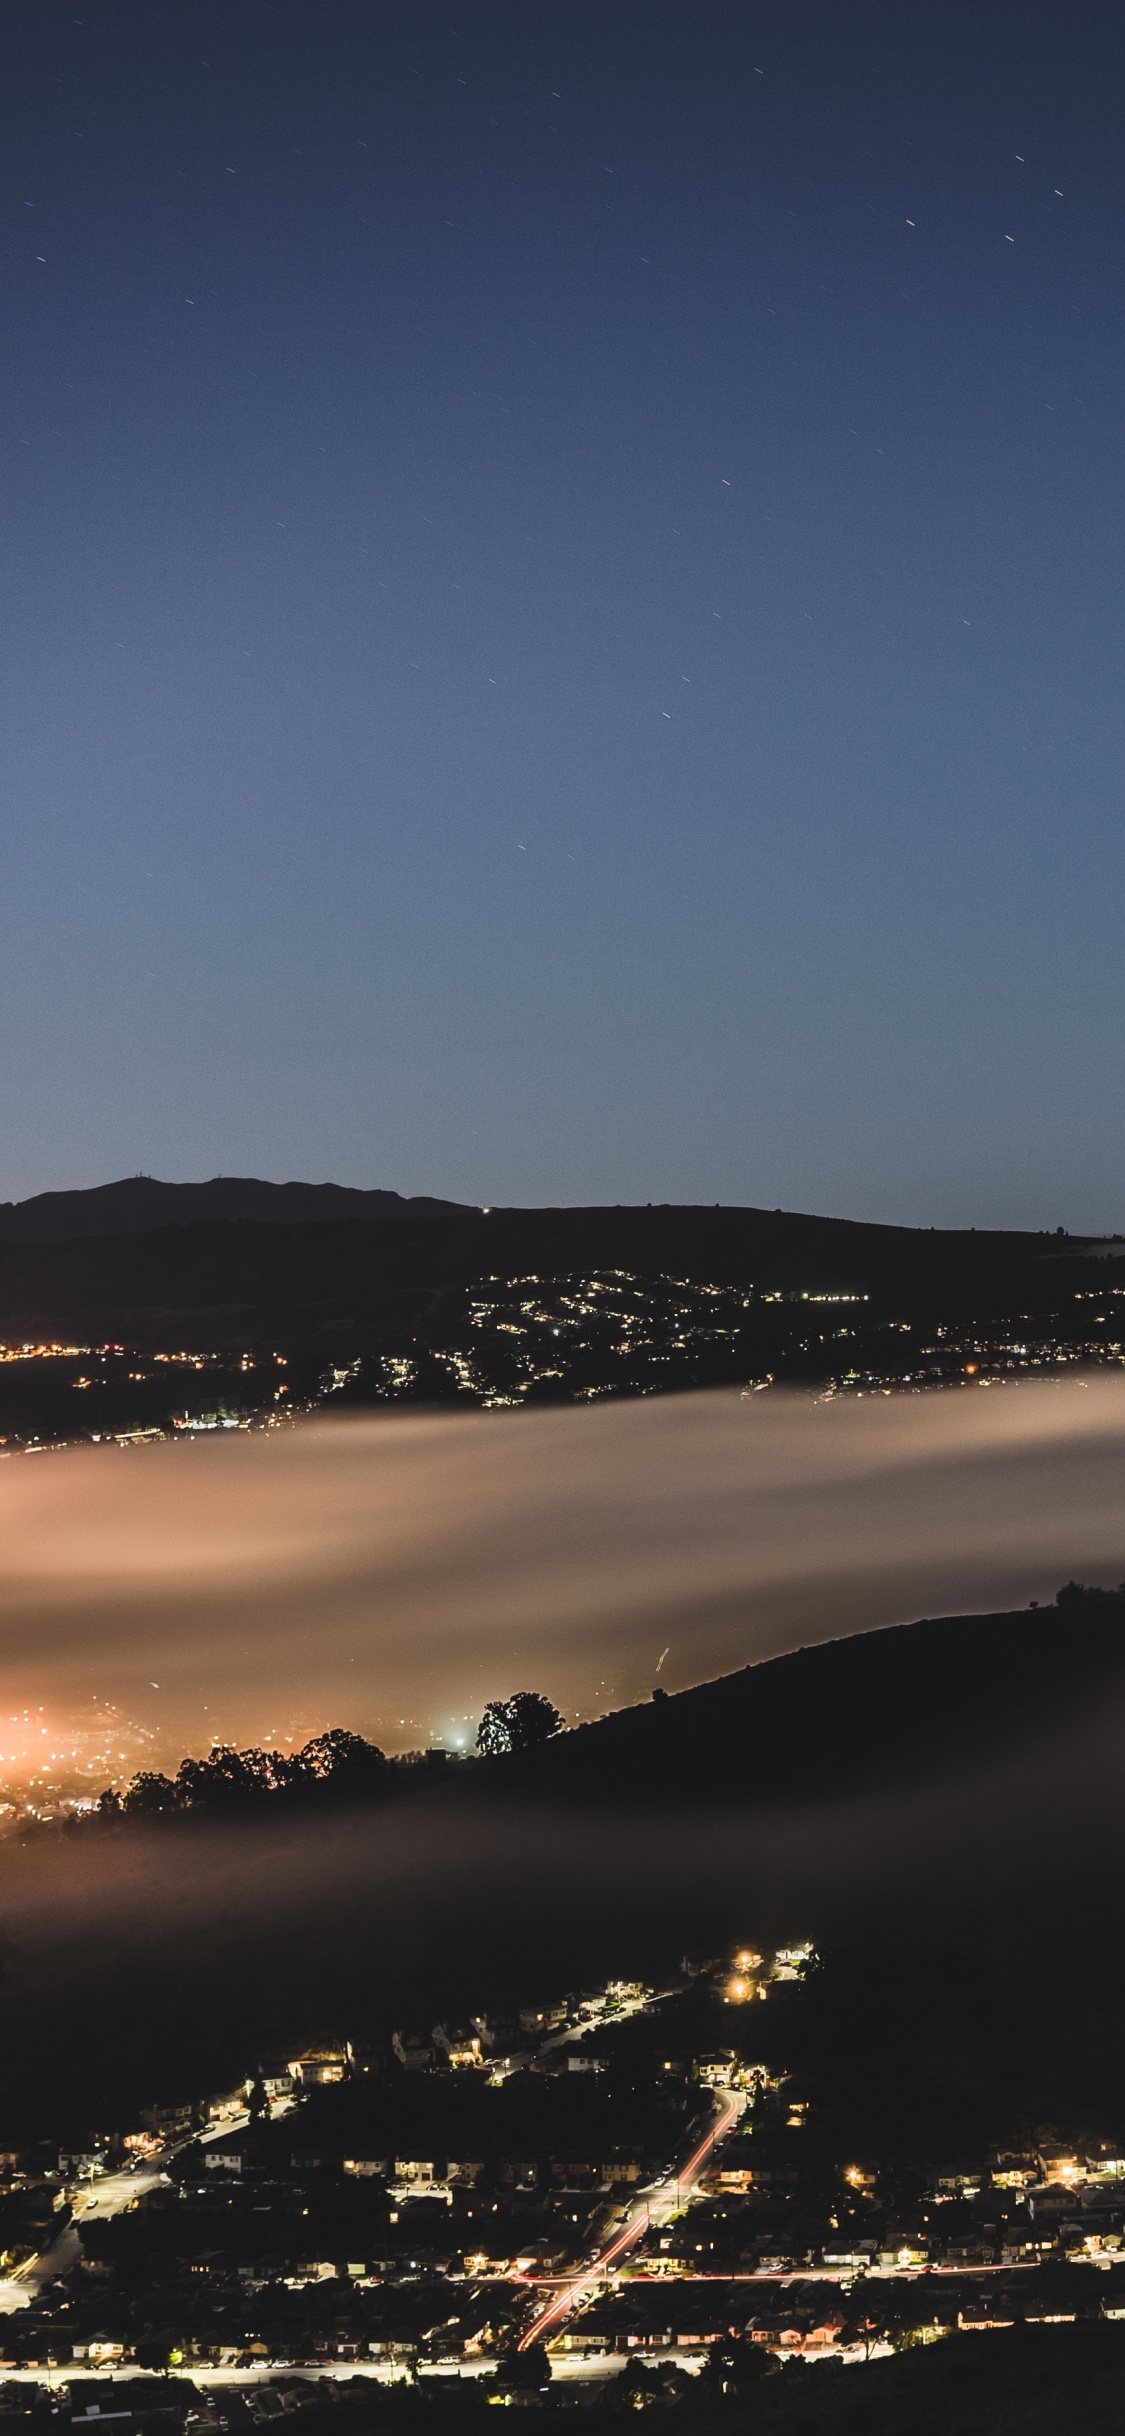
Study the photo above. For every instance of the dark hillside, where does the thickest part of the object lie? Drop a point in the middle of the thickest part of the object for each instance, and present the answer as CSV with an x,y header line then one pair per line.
x,y
357,1282
855,1716
1023,2381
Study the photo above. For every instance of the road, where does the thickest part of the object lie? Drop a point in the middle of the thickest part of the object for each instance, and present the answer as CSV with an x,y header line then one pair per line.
x,y
257,2372
655,2206
505,2066
107,2198
90,2200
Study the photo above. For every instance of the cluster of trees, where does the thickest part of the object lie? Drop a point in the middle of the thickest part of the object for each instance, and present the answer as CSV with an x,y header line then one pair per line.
x,y
333,1767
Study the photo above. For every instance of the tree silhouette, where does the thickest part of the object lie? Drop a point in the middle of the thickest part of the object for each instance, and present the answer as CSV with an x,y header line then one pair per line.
x,y
526,2371
518,1724
351,1764
149,1794
225,1779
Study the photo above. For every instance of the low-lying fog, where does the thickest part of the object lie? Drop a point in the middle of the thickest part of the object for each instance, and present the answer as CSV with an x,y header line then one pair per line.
x,y
392,1573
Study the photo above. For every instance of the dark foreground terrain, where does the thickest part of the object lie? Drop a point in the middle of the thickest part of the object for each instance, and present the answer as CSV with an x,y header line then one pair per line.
x,y
850,1717
1041,2381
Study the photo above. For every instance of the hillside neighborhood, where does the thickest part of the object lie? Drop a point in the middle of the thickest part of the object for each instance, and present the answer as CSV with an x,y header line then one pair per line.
x,y
591,2186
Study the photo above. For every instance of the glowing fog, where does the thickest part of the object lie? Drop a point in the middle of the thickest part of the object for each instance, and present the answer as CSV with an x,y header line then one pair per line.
x,y
394,1572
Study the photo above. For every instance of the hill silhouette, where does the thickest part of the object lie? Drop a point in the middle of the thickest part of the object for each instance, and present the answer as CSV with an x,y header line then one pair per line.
x,y
137,1204
849,1717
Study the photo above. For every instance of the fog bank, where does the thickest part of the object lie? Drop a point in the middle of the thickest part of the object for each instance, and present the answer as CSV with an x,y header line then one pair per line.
x,y
393,1572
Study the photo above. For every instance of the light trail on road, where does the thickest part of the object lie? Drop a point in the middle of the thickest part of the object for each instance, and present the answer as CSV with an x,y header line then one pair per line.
x,y
589,2276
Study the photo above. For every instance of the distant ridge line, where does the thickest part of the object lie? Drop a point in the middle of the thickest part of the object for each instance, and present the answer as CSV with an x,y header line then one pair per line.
x,y
137,1205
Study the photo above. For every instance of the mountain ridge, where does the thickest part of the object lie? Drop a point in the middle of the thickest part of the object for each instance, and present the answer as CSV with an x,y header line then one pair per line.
x,y
143,1204
138,1205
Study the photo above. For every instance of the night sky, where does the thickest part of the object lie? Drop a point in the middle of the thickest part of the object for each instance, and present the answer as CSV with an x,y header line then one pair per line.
x,y
562,614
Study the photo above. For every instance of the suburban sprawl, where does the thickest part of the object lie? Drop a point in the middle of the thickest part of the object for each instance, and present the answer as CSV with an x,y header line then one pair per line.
x,y
611,2184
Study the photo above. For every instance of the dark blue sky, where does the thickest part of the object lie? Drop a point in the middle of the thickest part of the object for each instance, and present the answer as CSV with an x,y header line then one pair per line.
x,y
562,616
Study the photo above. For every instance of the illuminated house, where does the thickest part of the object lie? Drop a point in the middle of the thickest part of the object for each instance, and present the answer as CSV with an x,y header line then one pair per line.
x,y
318,2066
1058,2164
464,2049
537,2021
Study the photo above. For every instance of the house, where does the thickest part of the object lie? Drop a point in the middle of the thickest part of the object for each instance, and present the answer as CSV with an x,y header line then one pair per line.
x,y
519,2173
863,2178
1058,2164
169,2122
414,2169
474,2331
791,1960
1091,2242
818,2337
276,2079
575,2174
223,2110
364,2057
538,2021
497,2032
1105,2161
414,2053
463,2048
715,2071
554,2061
622,2169
589,2002
1012,2169
319,2066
